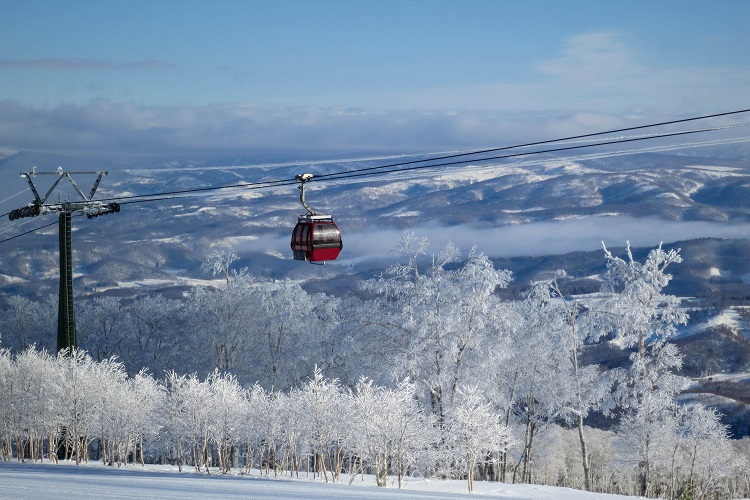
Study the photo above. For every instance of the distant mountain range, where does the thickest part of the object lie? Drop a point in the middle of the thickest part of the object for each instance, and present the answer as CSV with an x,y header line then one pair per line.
x,y
555,205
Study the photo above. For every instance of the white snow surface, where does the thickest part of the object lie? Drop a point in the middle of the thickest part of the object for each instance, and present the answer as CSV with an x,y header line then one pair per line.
x,y
728,317
37,481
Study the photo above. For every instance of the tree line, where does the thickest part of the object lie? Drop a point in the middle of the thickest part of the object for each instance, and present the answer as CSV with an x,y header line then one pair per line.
x,y
432,375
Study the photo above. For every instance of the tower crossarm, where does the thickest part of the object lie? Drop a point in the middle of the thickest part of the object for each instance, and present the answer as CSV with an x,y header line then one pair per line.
x,y
60,176
86,204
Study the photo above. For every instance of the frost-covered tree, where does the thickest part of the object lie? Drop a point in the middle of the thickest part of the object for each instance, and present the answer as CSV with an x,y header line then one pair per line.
x,y
25,323
286,335
559,462
291,431
328,417
146,397
220,325
436,320
188,425
175,430
585,388
266,428
40,411
536,379
333,346
113,405
104,328
158,327
84,382
228,403
647,435
638,313
475,431
14,410
704,460
390,429
8,403
373,339
219,262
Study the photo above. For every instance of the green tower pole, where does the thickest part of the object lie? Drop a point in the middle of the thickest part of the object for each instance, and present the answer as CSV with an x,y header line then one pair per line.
x,y
66,320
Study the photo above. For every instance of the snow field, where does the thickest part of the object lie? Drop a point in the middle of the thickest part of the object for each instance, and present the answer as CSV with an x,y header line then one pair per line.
x,y
35,481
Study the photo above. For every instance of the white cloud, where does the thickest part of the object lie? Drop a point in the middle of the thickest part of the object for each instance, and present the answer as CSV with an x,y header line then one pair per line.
x,y
107,127
597,73
593,56
596,82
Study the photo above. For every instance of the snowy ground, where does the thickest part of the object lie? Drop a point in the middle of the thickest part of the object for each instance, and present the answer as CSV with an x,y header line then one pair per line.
x,y
729,317
34,481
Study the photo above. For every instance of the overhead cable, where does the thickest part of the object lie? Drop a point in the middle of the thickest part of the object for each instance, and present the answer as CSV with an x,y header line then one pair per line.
x,y
28,232
412,165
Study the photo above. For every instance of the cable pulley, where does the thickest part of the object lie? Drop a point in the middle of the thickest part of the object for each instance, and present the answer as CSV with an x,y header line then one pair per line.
x,y
101,209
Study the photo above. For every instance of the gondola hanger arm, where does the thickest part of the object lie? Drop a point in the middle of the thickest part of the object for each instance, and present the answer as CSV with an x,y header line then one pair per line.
x,y
302,178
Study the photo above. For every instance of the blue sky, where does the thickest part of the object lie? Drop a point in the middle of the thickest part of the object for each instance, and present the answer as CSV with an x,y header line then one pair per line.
x,y
177,77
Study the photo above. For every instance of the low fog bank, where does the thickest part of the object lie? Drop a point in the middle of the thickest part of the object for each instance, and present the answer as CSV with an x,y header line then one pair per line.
x,y
533,239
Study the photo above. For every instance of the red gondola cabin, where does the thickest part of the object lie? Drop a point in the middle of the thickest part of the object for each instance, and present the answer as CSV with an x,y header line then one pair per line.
x,y
316,238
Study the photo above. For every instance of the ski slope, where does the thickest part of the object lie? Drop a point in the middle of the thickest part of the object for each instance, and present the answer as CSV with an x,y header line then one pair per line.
x,y
35,481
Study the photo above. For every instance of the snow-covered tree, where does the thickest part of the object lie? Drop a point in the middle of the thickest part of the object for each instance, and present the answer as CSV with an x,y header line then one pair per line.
x,y
114,406
475,431
559,462
196,420
704,459
228,403
220,324
536,391
331,345
104,328
158,327
266,426
638,313
585,387
144,423
175,430
328,413
286,333
8,403
25,323
219,262
38,403
437,319
391,430
85,384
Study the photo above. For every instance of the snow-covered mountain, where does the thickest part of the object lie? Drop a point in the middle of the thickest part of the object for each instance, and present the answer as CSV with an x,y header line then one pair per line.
x,y
545,206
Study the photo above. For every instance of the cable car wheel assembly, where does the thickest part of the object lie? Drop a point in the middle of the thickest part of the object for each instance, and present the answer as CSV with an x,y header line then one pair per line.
x,y
316,238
